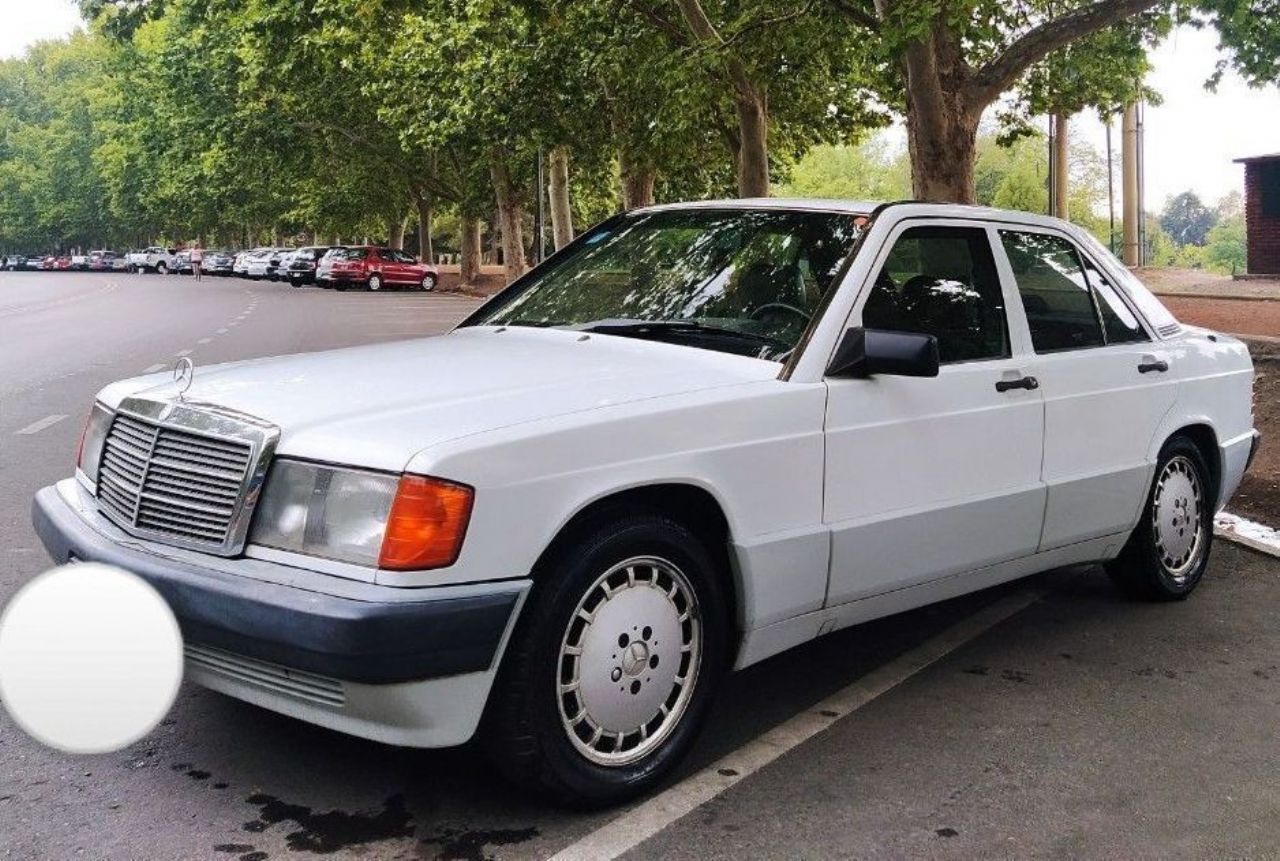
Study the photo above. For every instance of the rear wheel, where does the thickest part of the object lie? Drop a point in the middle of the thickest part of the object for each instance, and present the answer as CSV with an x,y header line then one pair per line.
x,y
1167,553
161,268
429,282
613,666
375,282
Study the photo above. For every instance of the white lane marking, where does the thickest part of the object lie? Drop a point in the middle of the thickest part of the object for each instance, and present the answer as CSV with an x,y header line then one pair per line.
x,y
233,324
205,341
154,368
182,353
644,821
223,330
36,427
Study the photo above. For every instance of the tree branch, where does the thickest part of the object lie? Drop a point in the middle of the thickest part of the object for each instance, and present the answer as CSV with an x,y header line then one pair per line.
x,y
858,15
999,74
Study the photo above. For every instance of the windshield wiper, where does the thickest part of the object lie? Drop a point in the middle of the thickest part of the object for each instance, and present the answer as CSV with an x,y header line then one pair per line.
x,y
640,328
625,326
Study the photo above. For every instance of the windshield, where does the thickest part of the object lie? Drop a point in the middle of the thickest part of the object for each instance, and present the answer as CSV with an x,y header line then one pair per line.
x,y
736,280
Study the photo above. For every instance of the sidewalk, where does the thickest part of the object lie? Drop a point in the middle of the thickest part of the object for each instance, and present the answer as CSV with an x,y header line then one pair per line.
x,y
1168,281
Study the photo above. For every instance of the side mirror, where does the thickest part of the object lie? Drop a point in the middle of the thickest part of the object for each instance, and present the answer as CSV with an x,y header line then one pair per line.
x,y
865,352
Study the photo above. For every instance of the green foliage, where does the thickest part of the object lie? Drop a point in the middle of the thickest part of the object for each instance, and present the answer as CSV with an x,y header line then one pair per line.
x,y
868,171
1186,219
1225,249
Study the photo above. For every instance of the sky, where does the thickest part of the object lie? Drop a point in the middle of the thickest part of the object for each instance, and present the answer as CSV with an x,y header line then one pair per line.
x,y
1191,139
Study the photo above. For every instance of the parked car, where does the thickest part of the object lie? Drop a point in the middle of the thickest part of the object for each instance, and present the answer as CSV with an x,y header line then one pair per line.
x,y
278,263
302,265
241,265
701,435
99,261
219,262
258,264
374,268
153,259
79,262
181,263
324,266
19,262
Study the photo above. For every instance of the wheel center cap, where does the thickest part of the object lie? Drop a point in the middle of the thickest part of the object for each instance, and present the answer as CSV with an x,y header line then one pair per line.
x,y
636,658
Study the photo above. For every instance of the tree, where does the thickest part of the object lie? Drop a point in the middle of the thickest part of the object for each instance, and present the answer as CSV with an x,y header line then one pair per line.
x,y
749,50
1186,219
1225,246
955,62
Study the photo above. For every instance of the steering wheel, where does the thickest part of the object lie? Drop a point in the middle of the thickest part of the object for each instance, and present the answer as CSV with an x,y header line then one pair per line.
x,y
758,313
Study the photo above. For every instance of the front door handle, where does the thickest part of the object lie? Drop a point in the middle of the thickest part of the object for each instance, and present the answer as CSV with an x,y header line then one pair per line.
x,y
1158,365
1028,383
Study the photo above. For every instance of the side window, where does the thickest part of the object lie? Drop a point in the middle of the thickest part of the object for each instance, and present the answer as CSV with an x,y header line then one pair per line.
x,y
1055,293
1118,321
942,281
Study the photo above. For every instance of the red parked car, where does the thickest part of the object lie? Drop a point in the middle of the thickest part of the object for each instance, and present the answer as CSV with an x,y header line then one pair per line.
x,y
374,268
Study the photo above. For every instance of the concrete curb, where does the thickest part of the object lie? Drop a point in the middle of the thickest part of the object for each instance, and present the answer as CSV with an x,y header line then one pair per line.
x,y
1233,297
1247,543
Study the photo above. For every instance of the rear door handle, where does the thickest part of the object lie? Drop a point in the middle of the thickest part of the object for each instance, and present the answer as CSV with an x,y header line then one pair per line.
x,y
1158,365
1028,383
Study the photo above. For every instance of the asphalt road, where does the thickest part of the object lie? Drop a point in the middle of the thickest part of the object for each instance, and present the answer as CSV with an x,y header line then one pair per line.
x,y
1082,725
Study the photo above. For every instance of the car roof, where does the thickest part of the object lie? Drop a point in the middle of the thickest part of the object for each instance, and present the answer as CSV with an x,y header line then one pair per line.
x,y
903,208
857,207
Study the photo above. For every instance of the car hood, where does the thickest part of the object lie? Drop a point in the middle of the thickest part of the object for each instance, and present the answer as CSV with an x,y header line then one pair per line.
x,y
379,405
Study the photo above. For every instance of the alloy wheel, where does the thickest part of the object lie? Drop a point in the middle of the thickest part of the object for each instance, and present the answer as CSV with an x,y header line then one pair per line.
x,y
629,661
1177,517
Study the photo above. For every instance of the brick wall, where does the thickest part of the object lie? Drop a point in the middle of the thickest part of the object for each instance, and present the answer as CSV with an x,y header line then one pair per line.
x,y
1263,232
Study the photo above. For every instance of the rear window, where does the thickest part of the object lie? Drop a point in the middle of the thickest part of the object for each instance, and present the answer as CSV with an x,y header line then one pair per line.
x,y
356,253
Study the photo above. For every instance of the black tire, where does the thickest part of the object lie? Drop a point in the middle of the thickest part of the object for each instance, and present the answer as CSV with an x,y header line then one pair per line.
x,y
428,282
340,286
1153,566
375,283
295,282
524,732
161,268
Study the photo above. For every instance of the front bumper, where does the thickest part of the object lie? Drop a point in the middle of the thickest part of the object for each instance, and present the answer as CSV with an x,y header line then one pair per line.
x,y
410,667
368,634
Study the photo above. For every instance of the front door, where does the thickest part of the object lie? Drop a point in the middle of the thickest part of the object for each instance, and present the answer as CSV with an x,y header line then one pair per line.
x,y
930,477
1106,387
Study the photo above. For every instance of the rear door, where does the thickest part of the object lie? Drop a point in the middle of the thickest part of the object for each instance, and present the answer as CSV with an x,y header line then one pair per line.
x,y
930,477
1106,386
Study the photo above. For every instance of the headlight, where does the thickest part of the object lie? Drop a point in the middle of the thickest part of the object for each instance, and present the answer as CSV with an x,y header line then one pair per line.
x,y
399,522
95,434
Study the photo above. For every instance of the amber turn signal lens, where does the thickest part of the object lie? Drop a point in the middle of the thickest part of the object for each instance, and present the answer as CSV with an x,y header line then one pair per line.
x,y
427,523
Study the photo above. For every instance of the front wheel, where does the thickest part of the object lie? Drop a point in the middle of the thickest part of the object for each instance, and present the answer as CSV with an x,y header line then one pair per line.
x,y
1167,553
429,282
162,269
375,282
612,669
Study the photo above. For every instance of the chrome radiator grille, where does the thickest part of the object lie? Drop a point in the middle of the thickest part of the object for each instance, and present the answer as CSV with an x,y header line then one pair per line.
x,y
172,483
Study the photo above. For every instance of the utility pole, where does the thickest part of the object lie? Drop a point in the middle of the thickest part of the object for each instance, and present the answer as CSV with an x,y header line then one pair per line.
x,y
1060,163
1131,203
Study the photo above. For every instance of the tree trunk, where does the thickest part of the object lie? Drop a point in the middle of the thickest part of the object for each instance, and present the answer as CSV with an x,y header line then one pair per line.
x,y
1060,164
561,212
638,179
510,215
753,143
470,250
425,249
395,232
942,119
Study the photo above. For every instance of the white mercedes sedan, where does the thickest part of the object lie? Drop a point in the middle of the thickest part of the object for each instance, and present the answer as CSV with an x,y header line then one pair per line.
x,y
698,436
